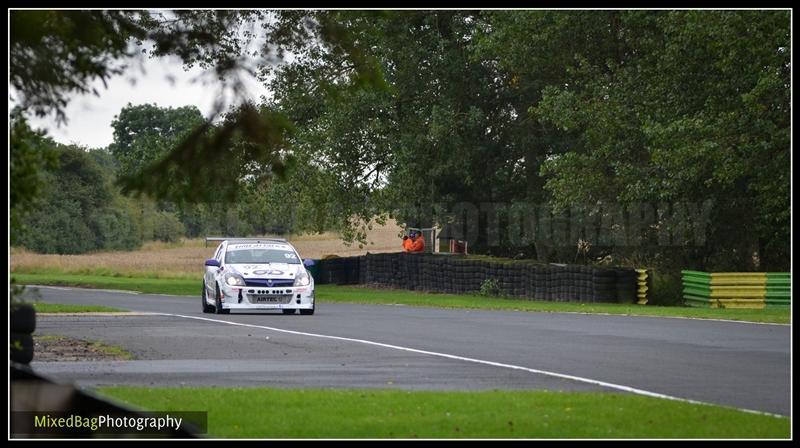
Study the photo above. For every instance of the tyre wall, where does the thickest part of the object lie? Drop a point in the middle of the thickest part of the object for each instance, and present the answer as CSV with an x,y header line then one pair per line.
x,y
458,274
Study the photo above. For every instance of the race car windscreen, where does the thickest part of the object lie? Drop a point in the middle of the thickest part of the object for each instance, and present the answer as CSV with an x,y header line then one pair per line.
x,y
260,255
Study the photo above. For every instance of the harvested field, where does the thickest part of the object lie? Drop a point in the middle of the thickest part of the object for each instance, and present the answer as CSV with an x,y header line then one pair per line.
x,y
185,259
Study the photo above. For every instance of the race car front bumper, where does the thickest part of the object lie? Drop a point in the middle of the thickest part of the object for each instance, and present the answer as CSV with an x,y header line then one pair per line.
x,y
264,298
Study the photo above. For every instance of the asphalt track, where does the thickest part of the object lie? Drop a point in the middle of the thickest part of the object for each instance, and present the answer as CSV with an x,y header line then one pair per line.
x,y
741,365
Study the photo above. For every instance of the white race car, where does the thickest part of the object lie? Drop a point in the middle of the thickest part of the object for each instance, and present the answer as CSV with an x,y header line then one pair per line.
x,y
257,274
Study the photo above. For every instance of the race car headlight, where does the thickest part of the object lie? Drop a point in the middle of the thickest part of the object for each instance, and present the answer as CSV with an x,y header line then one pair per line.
x,y
302,278
234,279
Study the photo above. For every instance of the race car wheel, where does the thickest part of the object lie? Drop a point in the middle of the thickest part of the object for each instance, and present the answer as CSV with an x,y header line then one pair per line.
x,y
308,312
288,311
218,308
206,307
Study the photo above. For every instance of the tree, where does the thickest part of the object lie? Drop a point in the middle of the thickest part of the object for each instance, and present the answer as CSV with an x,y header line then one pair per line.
x,y
682,113
392,149
79,210
56,53
31,154
145,133
53,54
581,111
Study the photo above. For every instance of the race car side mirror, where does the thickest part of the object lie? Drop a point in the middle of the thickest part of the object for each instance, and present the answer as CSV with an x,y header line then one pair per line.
x,y
212,262
308,262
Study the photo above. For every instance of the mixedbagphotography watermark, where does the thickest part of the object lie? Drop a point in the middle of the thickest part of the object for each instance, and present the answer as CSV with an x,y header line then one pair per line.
x,y
605,224
602,224
107,422
74,423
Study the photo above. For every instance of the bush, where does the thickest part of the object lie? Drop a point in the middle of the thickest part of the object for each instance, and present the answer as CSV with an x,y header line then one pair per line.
x,y
667,288
60,230
167,227
490,288
115,229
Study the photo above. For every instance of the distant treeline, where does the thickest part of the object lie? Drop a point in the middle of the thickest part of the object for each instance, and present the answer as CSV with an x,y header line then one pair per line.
x,y
80,210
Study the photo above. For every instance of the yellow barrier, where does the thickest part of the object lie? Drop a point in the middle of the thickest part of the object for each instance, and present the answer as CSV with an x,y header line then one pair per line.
x,y
738,291
738,278
641,282
738,303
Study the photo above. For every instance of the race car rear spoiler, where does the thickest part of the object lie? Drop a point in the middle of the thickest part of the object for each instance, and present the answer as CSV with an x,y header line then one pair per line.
x,y
244,240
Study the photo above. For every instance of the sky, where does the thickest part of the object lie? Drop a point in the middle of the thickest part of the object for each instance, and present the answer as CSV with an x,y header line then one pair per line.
x,y
89,116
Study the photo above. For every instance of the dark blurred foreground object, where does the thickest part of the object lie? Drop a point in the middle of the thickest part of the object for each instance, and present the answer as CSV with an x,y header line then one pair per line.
x,y
22,323
32,394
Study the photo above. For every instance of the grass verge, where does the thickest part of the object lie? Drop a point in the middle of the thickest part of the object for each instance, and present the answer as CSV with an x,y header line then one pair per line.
x,y
173,286
111,350
351,294
325,413
67,308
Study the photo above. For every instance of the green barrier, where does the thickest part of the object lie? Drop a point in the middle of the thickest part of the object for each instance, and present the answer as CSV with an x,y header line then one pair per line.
x,y
736,289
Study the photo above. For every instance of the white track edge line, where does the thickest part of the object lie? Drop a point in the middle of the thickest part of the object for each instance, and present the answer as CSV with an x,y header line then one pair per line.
x,y
670,317
620,387
70,288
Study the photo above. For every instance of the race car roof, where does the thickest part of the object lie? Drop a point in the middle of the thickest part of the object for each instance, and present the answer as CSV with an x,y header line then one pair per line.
x,y
245,246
